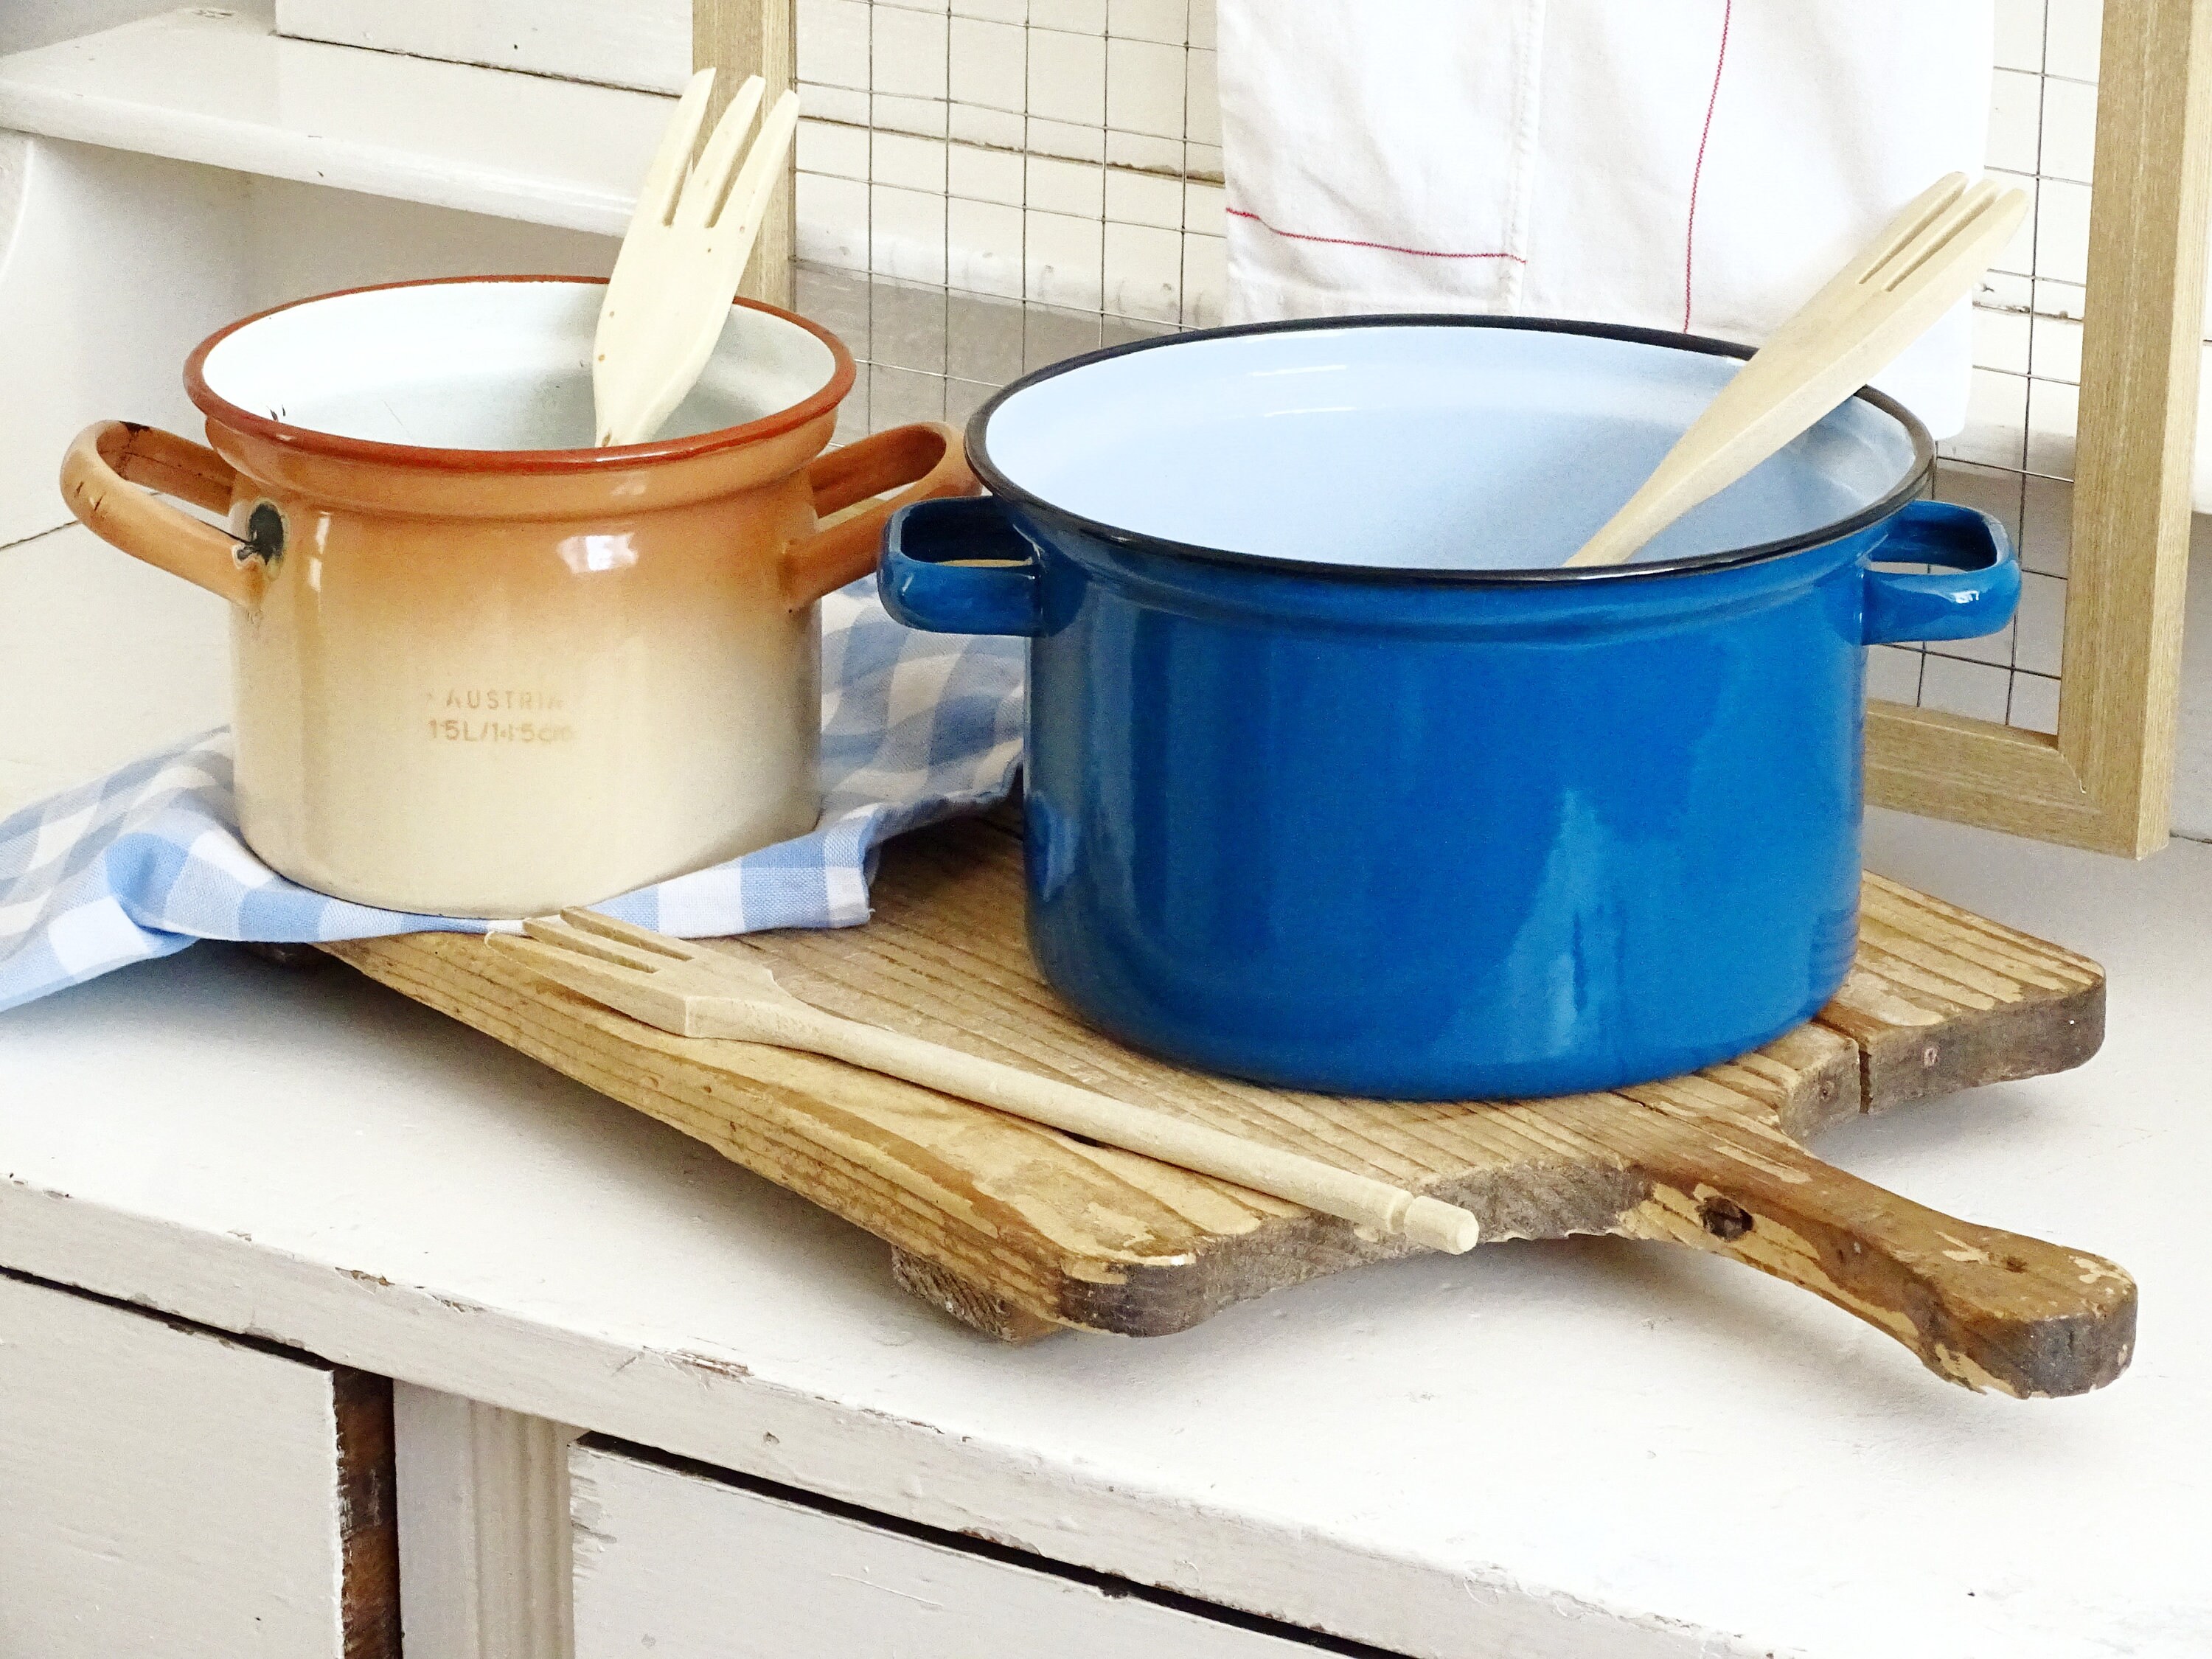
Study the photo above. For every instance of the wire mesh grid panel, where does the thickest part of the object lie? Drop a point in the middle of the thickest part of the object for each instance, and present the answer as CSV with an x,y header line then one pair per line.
x,y
927,353
2015,458
1065,153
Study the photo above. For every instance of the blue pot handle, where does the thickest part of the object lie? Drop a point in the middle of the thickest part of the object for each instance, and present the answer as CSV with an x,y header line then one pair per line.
x,y
1974,594
960,566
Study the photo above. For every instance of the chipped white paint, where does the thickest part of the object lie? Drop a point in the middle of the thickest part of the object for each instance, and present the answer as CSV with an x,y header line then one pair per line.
x,y
2092,1271
1773,1245
1962,1251
684,1567
1970,1372
1894,1009
162,1491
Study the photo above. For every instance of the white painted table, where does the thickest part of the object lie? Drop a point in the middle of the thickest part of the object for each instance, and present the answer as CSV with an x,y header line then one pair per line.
x,y
1581,1450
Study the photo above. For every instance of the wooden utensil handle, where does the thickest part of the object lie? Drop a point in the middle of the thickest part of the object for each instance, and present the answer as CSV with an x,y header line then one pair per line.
x,y
1990,1309
1318,1186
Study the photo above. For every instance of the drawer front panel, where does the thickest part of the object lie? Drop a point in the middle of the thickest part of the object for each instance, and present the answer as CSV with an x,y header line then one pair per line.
x,y
686,1566
166,1489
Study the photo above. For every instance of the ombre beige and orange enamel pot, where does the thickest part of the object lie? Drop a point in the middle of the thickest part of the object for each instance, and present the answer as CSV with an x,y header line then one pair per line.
x,y
480,668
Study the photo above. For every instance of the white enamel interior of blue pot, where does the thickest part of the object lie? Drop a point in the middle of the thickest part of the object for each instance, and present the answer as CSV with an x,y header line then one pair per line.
x,y
1415,447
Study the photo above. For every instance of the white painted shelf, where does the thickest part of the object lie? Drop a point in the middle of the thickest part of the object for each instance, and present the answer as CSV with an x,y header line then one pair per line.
x,y
221,88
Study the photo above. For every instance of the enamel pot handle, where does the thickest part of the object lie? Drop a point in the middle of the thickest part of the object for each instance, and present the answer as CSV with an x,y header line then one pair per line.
x,y
960,568
100,475
926,457
1974,594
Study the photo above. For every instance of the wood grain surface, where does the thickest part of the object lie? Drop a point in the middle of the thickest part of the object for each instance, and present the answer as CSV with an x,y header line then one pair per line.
x,y
1016,1229
737,39
2106,779
369,1513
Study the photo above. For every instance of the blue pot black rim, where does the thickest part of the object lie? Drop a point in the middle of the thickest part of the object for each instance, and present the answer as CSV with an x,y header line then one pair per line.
x,y
1914,484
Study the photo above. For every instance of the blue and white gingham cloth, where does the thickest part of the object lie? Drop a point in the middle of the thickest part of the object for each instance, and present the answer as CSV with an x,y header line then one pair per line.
x,y
914,727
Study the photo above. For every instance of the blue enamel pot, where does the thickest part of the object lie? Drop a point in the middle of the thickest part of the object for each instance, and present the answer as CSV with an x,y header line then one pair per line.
x,y
1337,780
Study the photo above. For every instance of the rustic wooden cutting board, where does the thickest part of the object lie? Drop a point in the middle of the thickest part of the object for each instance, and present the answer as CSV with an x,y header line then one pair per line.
x,y
1017,1229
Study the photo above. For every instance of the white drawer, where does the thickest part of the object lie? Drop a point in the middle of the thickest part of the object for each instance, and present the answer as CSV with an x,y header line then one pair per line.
x,y
167,1490
685,1565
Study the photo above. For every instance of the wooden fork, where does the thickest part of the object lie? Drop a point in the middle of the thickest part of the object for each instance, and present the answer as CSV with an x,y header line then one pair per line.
x,y
682,258
1925,260
694,991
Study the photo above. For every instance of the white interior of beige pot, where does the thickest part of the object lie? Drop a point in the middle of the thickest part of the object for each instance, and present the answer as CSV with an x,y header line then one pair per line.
x,y
486,365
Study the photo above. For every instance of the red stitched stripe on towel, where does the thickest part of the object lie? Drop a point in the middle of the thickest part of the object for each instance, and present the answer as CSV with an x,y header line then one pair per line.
x,y
1380,247
1712,99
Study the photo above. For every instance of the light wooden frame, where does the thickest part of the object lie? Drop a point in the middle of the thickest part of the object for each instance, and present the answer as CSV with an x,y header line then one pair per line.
x,y
2106,779
737,39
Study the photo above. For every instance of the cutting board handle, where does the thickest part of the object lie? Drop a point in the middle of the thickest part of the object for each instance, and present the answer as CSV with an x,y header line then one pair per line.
x,y
1990,1309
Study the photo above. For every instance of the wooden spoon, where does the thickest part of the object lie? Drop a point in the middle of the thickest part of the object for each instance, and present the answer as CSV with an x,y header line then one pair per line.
x,y
1925,260
694,990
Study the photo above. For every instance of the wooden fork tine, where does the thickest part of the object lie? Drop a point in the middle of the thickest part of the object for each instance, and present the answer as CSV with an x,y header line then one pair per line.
x,y
560,936
763,169
1990,214
1972,203
625,991
658,195
1853,326
1850,287
619,932
1912,220
601,981
709,183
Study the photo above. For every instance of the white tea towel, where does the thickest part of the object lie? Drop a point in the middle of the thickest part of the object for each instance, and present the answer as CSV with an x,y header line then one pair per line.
x,y
914,727
1701,165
